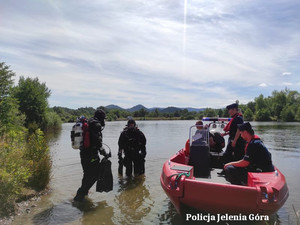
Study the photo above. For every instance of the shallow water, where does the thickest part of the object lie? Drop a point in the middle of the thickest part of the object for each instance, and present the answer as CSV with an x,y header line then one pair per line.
x,y
141,200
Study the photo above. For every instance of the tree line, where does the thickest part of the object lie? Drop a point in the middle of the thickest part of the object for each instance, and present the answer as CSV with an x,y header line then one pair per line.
x,y
282,105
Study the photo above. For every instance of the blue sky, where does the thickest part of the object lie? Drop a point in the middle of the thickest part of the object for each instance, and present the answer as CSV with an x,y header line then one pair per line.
x,y
157,53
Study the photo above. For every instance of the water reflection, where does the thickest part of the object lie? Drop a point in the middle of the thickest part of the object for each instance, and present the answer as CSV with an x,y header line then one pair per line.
x,y
87,212
170,215
280,136
134,200
97,213
58,214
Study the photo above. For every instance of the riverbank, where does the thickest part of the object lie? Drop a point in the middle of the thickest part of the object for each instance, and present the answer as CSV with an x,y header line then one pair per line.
x,y
24,204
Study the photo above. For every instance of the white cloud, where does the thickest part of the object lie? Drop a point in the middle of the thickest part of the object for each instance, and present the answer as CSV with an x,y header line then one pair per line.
x,y
287,84
286,74
263,85
131,52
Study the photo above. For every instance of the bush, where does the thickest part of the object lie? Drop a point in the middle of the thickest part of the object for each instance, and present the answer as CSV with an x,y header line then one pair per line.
x,y
52,121
262,115
37,153
248,115
14,169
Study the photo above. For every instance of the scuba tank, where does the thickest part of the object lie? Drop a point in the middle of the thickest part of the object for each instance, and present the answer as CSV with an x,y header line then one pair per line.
x,y
77,133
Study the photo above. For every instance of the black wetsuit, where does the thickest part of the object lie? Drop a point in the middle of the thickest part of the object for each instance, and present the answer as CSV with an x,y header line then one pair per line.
x,y
90,159
133,142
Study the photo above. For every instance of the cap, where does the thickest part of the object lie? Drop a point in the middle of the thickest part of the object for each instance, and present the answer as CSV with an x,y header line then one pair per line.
x,y
245,126
232,106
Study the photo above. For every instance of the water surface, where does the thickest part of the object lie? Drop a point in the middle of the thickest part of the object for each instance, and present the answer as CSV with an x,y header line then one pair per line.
x,y
141,200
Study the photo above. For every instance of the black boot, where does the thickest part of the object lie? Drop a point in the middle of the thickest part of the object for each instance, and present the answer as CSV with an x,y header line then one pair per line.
x,y
79,196
222,173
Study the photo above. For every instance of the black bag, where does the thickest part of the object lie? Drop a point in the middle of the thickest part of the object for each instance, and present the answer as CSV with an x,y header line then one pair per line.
x,y
105,179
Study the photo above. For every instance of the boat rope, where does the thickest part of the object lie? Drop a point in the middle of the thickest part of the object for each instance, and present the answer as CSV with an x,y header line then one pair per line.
x,y
179,175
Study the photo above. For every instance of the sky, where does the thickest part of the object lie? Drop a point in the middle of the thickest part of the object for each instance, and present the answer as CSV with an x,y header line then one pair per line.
x,y
157,53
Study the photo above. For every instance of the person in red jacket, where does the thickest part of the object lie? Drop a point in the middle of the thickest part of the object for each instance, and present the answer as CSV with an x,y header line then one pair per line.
x,y
257,158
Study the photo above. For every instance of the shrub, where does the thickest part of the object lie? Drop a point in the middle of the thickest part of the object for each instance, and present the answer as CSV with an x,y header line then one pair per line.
x,y
14,169
52,121
37,153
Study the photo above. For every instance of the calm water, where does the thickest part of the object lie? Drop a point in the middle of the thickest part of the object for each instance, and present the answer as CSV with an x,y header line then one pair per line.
x,y
141,200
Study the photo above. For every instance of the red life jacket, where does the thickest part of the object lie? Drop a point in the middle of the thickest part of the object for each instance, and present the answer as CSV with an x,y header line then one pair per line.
x,y
255,137
227,127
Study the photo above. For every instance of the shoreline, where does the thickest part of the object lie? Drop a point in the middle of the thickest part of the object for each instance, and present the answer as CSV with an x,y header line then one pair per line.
x,y
24,204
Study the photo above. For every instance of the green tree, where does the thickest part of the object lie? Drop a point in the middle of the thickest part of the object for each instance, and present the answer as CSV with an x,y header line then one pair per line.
x,y
297,115
209,112
32,96
260,103
279,102
6,80
251,106
220,112
140,113
177,113
248,115
262,112
262,115
287,114
9,114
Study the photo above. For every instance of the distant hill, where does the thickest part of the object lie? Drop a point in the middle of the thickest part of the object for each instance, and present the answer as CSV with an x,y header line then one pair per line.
x,y
195,109
114,107
137,108
170,109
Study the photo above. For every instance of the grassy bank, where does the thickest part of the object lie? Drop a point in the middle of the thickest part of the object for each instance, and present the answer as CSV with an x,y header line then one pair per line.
x,y
24,165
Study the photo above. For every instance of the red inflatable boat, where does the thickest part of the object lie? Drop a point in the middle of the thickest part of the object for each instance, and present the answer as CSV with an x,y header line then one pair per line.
x,y
207,192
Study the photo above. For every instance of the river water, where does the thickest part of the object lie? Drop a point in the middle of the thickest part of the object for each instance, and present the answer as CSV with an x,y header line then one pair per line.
x,y
141,200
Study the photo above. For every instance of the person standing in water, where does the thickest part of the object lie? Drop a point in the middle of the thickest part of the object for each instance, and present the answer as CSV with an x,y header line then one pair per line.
x,y
89,156
132,142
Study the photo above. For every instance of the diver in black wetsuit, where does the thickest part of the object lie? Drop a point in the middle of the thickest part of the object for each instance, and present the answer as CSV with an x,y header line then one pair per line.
x,y
132,142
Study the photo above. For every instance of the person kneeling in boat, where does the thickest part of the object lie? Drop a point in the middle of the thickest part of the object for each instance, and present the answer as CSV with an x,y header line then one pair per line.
x,y
257,158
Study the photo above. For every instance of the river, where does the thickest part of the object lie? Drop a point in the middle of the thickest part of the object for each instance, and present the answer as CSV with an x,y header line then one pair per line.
x,y
141,200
